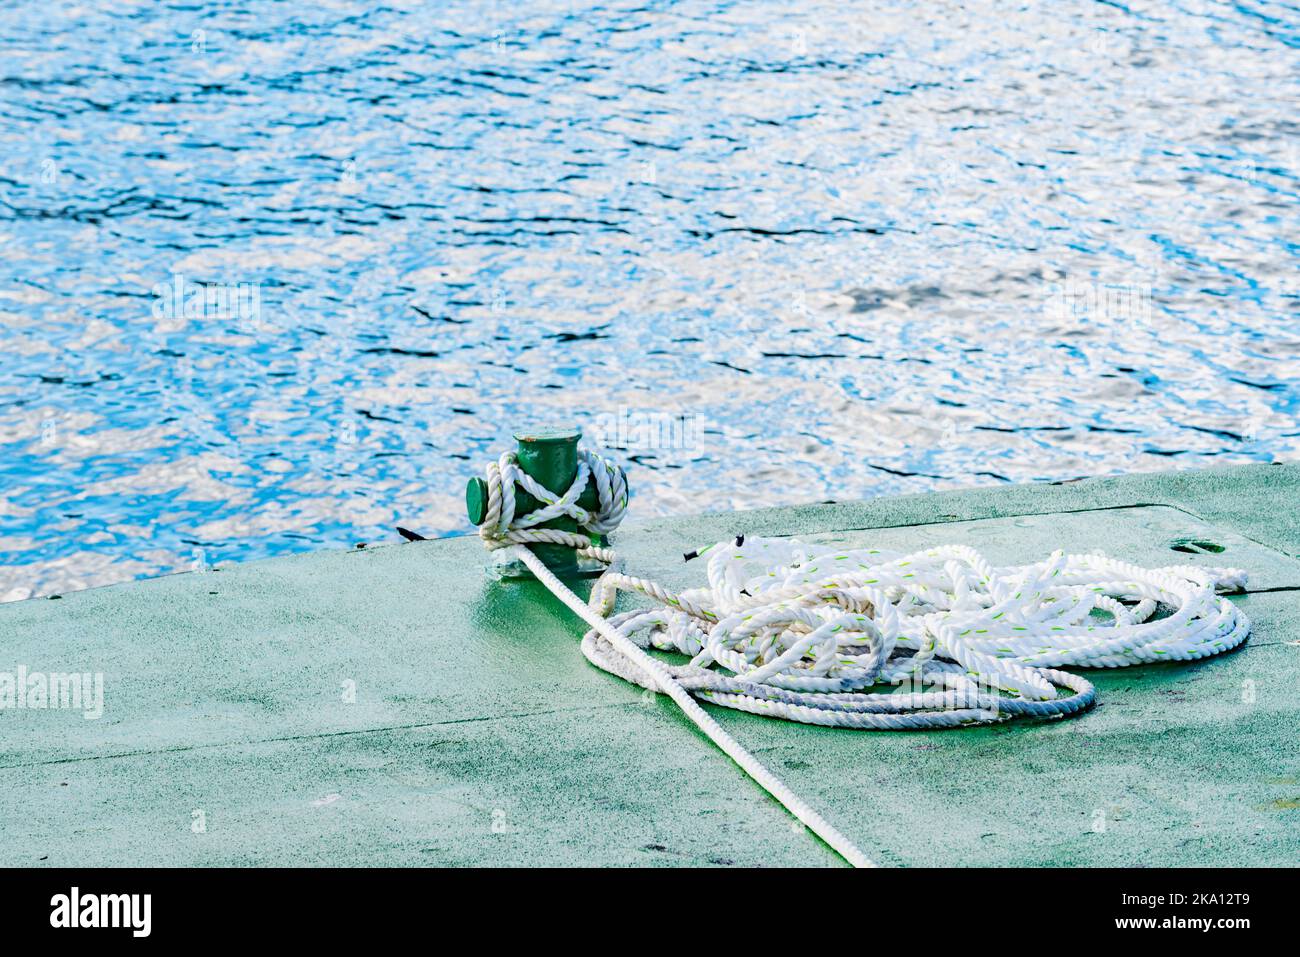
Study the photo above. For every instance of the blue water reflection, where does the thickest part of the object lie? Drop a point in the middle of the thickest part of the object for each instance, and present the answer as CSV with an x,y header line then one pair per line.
x,y
280,276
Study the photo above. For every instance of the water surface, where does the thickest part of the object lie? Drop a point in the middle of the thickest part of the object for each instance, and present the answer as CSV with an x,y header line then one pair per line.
x,y
863,248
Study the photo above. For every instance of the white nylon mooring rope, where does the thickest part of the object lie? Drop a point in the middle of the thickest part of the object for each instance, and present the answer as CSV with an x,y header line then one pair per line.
x,y
803,632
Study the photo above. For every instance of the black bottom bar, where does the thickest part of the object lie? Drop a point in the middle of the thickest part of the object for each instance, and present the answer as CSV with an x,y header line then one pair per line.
x,y
334,907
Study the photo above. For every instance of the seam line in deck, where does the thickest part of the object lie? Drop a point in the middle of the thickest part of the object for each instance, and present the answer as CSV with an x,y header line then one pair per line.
x,y
179,749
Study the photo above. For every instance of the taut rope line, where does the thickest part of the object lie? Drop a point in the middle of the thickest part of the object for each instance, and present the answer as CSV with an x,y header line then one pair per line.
x,y
802,632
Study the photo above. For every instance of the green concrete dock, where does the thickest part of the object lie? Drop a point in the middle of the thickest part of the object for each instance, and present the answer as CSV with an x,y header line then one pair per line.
x,y
394,706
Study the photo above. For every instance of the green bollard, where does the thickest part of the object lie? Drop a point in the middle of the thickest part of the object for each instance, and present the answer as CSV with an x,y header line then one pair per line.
x,y
550,456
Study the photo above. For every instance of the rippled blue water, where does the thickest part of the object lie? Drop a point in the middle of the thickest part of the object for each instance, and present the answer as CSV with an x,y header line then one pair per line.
x,y
863,248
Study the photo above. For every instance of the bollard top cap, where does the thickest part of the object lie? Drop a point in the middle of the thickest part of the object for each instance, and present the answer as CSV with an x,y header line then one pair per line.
x,y
549,435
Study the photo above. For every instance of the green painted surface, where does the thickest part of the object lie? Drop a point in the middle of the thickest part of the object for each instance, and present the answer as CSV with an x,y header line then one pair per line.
x,y
479,734
550,456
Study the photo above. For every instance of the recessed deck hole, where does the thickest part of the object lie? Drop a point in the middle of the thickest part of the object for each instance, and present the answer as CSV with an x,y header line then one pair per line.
x,y
1196,546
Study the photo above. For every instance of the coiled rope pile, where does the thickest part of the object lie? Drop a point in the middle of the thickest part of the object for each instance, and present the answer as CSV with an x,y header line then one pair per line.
x,y
806,633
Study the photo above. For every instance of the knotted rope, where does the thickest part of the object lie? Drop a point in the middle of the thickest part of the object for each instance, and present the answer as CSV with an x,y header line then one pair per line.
x,y
501,528
805,632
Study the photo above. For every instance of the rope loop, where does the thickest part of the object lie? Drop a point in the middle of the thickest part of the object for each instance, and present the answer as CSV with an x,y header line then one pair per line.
x,y
502,528
817,635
